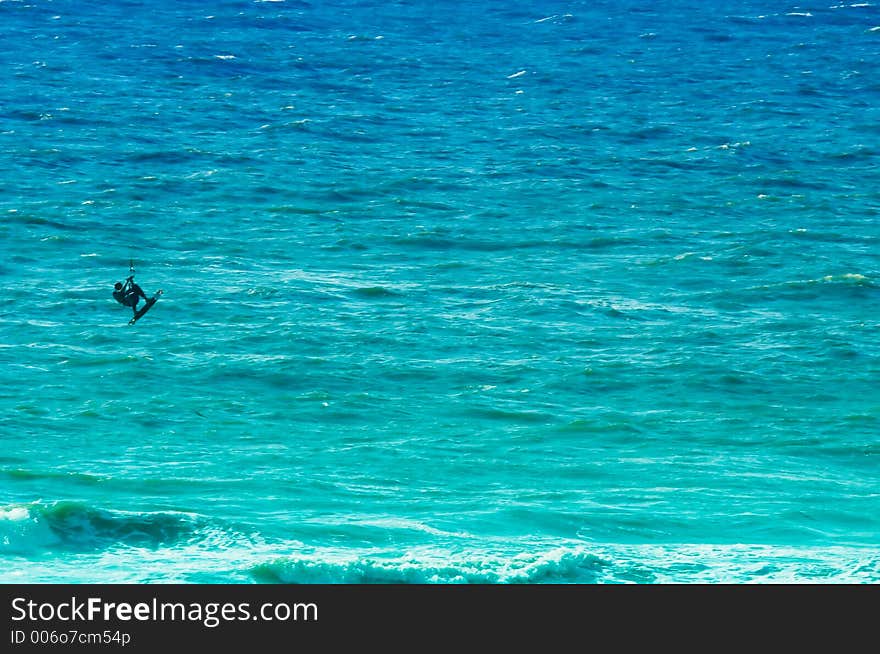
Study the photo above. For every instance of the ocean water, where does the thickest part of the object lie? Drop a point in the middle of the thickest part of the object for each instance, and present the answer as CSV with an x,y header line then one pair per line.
x,y
487,292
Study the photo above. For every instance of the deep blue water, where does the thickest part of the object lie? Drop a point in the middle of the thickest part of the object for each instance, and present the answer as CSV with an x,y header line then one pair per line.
x,y
510,292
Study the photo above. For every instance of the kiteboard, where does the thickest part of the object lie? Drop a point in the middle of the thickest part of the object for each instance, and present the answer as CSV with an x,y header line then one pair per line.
x,y
150,302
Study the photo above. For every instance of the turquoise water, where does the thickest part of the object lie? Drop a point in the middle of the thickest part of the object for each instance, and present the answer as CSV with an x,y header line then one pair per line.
x,y
516,292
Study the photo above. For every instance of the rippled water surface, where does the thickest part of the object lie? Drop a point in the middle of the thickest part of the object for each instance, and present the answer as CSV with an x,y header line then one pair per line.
x,y
559,292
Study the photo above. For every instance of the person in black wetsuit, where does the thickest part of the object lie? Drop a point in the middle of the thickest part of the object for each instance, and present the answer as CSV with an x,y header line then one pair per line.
x,y
128,294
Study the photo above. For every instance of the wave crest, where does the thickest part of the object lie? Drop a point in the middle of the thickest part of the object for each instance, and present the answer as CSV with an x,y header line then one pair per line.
x,y
80,527
553,566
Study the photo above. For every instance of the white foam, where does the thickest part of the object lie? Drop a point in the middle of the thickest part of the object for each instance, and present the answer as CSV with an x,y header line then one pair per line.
x,y
733,146
23,532
856,277
201,174
15,514
556,18
405,524
515,75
